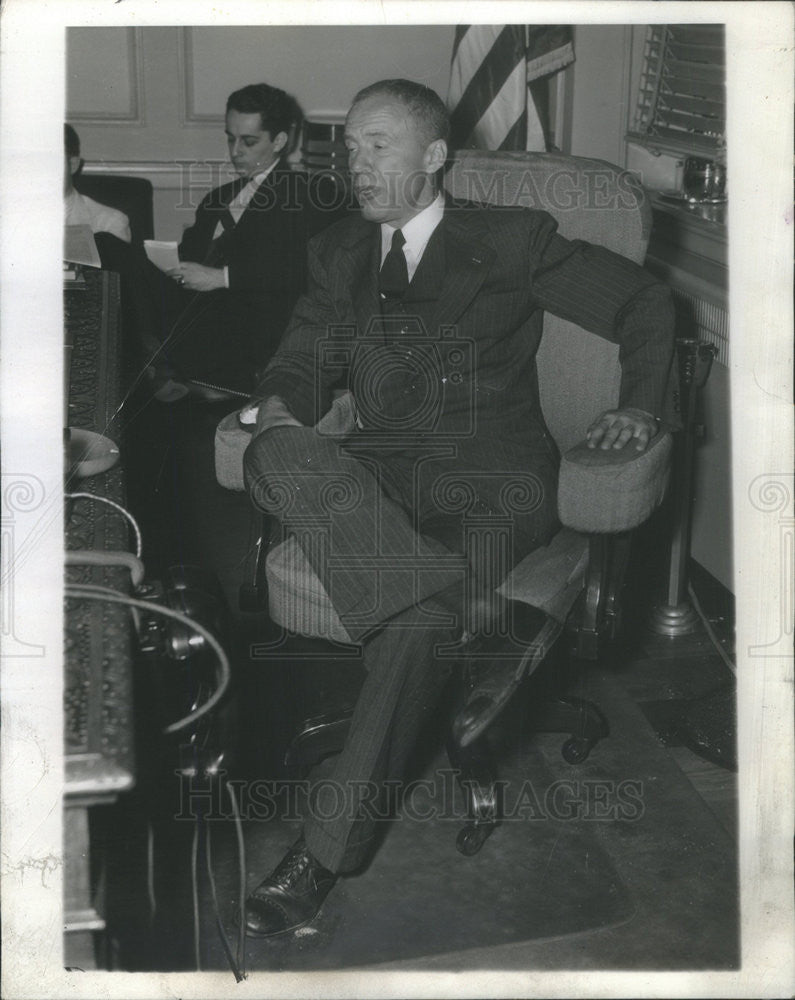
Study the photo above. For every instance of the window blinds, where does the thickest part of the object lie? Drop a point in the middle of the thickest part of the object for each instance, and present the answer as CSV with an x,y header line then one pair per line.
x,y
682,96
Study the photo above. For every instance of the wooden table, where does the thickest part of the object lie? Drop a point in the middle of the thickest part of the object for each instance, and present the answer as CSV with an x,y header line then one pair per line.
x,y
99,762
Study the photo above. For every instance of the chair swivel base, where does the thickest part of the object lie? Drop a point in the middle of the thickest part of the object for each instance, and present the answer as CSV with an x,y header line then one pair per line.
x,y
477,781
581,718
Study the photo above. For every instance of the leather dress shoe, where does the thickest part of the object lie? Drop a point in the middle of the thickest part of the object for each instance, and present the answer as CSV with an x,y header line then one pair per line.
x,y
291,896
497,665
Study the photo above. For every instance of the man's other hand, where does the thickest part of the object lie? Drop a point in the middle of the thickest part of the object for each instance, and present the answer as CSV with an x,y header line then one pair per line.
x,y
198,278
617,428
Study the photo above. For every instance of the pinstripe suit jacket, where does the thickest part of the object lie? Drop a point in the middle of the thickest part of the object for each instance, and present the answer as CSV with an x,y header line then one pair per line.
x,y
457,362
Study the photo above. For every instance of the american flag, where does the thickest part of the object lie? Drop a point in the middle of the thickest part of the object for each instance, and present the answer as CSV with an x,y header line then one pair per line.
x,y
491,70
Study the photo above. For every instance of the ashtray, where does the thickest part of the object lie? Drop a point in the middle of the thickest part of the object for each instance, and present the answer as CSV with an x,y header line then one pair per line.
x,y
88,453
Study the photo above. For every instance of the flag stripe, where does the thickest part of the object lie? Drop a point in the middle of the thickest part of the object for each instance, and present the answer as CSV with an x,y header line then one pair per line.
x,y
490,98
504,114
460,31
474,49
496,66
517,136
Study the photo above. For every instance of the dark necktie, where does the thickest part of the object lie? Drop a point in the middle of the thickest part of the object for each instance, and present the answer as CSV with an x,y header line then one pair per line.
x,y
393,278
216,252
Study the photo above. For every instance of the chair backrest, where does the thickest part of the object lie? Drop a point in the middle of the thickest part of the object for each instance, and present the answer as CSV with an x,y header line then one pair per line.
x,y
131,195
592,200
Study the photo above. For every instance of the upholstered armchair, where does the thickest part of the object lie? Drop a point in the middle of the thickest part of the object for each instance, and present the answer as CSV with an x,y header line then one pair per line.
x,y
603,495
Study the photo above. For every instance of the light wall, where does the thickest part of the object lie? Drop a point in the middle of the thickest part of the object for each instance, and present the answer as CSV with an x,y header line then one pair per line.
x,y
150,101
600,91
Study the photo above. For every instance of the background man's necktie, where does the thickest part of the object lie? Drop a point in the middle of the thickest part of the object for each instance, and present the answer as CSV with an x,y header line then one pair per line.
x,y
393,278
216,252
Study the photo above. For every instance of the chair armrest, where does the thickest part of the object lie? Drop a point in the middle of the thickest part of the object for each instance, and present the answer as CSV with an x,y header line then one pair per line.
x,y
611,491
231,441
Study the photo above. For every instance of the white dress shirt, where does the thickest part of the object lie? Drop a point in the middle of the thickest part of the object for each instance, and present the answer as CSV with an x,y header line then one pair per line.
x,y
416,232
81,210
239,203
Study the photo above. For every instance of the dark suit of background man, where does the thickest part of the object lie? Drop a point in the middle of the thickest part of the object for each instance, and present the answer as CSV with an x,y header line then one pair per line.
x,y
432,310
243,261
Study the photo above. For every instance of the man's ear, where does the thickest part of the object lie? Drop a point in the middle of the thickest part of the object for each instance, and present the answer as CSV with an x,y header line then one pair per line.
x,y
75,163
435,156
279,141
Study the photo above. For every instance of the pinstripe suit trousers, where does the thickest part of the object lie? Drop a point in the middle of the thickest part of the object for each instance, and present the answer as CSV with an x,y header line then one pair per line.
x,y
398,592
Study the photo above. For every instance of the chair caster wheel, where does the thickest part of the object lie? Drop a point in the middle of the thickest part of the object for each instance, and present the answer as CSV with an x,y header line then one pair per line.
x,y
576,749
470,840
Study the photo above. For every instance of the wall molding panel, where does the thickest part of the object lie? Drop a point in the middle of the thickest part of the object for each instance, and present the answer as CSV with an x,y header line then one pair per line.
x,y
189,116
89,110
192,179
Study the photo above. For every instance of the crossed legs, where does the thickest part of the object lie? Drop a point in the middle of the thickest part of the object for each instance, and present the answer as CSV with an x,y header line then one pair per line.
x,y
398,592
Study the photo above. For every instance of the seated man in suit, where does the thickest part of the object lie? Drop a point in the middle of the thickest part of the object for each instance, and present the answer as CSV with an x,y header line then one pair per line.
x,y
432,310
80,210
221,313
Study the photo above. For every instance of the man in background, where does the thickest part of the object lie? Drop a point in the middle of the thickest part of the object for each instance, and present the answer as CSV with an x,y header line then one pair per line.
x,y
79,209
220,315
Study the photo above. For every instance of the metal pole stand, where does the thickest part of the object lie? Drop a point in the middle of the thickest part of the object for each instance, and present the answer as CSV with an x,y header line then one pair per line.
x,y
677,616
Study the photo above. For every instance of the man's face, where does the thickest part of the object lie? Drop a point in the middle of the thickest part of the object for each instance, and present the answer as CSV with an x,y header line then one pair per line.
x,y
251,149
390,161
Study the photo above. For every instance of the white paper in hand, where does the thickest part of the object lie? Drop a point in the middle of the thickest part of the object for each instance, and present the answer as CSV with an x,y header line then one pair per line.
x,y
162,253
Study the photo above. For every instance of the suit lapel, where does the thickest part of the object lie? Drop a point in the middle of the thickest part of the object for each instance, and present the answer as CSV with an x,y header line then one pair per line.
x,y
468,255
215,255
264,199
364,258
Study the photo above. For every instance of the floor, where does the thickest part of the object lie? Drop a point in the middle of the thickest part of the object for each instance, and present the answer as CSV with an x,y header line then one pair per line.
x,y
627,861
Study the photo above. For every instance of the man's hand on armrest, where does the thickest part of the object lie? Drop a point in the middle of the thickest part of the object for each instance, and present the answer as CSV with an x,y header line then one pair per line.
x,y
270,412
616,428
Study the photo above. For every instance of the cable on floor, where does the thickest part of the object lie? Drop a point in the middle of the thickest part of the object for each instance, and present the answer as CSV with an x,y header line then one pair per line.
x,y
93,557
150,871
710,631
235,966
117,506
241,854
194,883
98,593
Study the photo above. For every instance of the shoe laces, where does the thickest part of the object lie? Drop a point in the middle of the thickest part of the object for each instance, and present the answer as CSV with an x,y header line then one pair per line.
x,y
294,864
